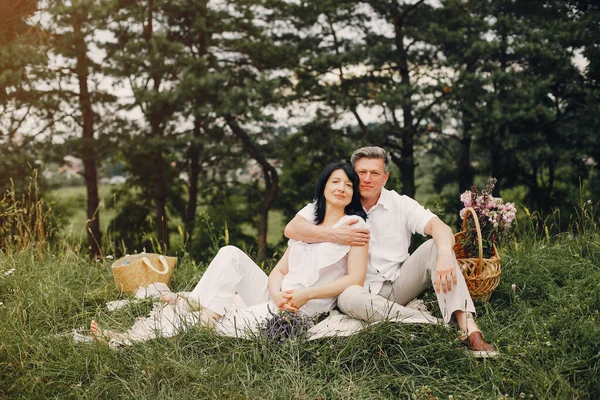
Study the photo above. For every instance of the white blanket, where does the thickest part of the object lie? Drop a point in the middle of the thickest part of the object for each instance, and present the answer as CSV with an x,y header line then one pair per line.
x,y
167,320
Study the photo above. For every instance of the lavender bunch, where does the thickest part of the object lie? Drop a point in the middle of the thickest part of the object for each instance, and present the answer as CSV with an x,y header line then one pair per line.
x,y
286,325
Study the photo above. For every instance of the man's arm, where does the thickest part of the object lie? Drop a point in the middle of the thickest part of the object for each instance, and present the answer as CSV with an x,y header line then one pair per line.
x,y
302,230
445,272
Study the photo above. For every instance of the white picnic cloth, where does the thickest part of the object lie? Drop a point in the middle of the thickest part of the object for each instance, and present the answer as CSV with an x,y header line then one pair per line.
x,y
168,320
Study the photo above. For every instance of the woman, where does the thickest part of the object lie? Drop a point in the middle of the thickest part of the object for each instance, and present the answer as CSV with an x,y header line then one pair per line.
x,y
307,279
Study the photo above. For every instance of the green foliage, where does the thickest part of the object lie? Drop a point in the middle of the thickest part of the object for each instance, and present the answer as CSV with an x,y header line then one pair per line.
x,y
458,91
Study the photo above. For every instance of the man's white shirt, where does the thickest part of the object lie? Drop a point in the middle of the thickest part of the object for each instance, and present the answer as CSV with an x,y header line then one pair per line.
x,y
392,222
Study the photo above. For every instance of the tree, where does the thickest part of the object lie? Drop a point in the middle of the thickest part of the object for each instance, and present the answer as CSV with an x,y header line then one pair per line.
x,y
244,86
372,57
459,32
23,61
74,26
532,98
148,60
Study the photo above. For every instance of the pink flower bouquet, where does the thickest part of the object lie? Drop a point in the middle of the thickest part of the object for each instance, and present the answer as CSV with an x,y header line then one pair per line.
x,y
494,218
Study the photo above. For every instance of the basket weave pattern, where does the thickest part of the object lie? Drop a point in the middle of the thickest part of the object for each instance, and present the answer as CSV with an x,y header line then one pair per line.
x,y
481,274
131,272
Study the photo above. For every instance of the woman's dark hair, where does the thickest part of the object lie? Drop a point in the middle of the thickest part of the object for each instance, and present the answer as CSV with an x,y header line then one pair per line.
x,y
354,208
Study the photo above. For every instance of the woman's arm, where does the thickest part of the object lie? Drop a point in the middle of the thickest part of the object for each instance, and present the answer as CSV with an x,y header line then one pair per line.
x,y
357,270
280,298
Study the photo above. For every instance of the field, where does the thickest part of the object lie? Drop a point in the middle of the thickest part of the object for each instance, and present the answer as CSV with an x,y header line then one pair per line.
x,y
548,332
72,200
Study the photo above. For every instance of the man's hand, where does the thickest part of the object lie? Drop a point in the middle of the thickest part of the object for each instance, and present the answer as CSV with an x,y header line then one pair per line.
x,y
348,235
445,273
282,301
297,297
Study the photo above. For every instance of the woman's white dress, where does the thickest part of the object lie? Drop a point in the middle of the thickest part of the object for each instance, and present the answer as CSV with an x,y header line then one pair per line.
x,y
309,265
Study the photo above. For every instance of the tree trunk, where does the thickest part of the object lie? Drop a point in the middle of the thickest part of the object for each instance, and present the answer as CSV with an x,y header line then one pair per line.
x,y
194,158
465,171
497,156
88,149
160,192
155,117
408,131
407,163
271,180
466,174
497,149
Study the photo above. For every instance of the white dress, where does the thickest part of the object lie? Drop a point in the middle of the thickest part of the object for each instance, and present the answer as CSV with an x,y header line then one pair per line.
x,y
309,265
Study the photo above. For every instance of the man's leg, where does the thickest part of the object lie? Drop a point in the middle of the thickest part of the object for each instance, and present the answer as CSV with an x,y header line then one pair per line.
x,y
231,272
359,303
416,275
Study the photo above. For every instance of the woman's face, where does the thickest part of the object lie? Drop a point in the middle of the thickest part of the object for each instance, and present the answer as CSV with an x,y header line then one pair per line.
x,y
338,189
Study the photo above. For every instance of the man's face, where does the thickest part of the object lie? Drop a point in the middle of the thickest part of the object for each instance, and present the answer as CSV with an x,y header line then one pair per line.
x,y
372,177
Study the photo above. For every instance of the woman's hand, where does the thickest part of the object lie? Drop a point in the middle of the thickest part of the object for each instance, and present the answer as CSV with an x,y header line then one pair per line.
x,y
282,301
297,297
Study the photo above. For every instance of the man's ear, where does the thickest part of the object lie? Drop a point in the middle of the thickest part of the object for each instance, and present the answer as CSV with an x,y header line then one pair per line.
x,y
386,177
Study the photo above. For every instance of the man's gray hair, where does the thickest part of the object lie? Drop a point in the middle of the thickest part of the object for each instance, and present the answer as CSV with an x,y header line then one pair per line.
x,y
372,152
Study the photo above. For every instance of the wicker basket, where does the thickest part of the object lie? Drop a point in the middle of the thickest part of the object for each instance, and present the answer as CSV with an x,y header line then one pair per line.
x,y
481,274
140,270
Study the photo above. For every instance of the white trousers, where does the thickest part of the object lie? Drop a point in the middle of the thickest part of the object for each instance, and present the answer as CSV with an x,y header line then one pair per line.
x,y
416,274
232,272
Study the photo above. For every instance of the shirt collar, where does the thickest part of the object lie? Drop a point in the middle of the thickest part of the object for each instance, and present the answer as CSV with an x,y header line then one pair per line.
x,y
383,200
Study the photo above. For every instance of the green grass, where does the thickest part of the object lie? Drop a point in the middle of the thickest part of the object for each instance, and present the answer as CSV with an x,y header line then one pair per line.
x,y
548,334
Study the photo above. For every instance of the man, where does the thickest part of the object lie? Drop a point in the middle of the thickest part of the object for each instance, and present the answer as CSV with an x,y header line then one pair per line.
x,y
393,276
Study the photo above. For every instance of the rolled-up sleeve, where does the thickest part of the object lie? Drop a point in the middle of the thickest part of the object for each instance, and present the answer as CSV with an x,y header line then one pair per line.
x,y
416,215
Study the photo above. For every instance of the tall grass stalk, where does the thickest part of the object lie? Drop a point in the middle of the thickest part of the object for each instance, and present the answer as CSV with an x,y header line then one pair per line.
x,y
25,219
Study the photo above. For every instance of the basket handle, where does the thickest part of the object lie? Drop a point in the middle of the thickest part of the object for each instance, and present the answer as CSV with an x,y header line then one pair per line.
x,y
478,229
162,261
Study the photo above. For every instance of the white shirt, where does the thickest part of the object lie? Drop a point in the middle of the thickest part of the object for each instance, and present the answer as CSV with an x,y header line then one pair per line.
x,y
315,264
392,222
